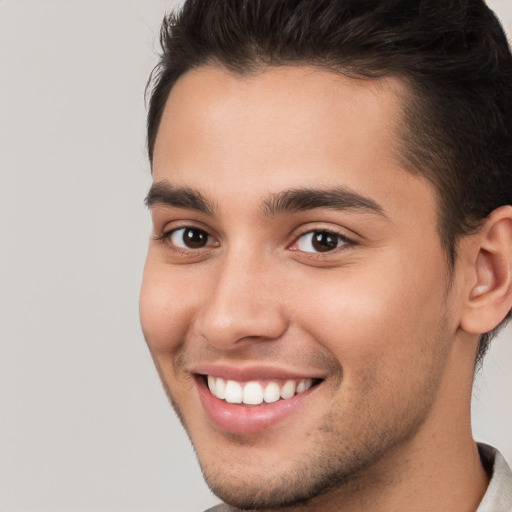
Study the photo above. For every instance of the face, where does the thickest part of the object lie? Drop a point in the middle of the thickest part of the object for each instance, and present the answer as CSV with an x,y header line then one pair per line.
x,y
295,296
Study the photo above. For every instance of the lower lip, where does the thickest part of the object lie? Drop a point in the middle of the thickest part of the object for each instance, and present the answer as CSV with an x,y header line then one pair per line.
x,y
244,419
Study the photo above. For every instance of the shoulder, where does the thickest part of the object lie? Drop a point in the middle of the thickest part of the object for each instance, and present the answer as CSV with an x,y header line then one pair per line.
x,y
498,497
221,508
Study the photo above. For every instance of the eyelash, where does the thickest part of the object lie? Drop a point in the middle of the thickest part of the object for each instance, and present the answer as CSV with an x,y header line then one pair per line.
x,y
342,240
166,236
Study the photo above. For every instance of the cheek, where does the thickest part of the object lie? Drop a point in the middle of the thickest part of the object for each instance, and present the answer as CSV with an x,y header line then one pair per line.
x,y
164,310
384,313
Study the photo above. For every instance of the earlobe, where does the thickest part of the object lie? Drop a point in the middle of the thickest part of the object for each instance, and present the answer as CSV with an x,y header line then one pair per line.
x,y
489,297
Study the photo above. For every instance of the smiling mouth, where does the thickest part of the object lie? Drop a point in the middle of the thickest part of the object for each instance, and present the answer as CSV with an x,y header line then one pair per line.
x,y
257,392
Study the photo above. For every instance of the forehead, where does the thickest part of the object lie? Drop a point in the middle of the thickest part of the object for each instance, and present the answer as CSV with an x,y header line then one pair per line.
x,y
279,106
283,127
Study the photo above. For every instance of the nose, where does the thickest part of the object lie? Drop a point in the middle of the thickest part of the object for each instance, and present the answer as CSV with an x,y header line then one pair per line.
x,y
243,303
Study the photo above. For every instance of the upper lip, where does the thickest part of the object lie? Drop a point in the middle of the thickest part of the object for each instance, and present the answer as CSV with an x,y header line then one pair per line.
x,y
245,373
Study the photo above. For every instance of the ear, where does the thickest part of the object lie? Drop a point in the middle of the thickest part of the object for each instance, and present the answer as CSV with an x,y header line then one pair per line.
x,y
489,273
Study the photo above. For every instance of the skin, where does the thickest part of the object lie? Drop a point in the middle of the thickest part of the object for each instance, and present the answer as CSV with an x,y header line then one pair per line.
x,y
381,319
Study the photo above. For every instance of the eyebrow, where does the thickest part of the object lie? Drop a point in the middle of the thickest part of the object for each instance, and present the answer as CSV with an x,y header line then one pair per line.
x,y
164,194
302,199
286,201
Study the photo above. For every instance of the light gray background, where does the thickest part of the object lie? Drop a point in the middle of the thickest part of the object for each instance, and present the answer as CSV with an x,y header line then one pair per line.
x,y
84,424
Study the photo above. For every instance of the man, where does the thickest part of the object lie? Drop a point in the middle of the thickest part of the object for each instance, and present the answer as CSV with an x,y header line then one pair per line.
x,y
332,247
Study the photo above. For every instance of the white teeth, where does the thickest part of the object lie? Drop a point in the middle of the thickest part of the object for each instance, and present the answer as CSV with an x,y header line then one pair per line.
x,y
272,393
288,390
211,385
220,388
253,393
233,392
303,385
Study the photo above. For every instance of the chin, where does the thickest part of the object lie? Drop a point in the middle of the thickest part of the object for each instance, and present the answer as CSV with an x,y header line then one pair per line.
x,y
294,483
263,494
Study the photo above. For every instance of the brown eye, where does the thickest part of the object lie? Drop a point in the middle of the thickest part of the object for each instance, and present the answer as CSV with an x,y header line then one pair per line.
x,y
190,238
320,241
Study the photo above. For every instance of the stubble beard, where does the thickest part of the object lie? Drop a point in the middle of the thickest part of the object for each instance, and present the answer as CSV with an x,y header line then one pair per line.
x,y
340,465
316,478
342,462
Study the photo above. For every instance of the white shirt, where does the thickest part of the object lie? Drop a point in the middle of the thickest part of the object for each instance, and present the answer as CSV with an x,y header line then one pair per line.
x,y
498,497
